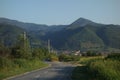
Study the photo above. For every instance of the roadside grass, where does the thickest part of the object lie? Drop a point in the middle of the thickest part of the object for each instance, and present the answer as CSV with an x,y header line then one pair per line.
x,y
98,68
87,60
105,69
80,73
20,66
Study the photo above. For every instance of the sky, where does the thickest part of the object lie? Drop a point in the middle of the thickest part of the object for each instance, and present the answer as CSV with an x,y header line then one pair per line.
x,y
56,12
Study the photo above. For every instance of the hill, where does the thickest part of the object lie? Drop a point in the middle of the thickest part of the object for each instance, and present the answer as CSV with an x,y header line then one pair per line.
x,y
32,26
9,34
82,34
85,35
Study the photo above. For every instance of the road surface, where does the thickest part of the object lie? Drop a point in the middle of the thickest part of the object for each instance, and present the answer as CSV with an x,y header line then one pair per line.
x,y
57,71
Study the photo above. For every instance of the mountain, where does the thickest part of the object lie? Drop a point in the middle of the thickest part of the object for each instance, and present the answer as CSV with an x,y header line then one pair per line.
x,y
34,31
81,22
82,34
27,26
32,26
80,38
9,34
85,35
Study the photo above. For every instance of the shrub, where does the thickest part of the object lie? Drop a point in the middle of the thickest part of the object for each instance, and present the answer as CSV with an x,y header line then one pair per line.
x,y
5,63
66,58
105,69
114,56
20,62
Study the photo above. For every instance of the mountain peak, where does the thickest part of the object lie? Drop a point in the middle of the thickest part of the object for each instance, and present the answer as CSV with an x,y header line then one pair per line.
x,y
82,19
82,22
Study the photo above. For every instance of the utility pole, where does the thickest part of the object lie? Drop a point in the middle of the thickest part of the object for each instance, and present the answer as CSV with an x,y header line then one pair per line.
x,y
24,35
24,39
48,46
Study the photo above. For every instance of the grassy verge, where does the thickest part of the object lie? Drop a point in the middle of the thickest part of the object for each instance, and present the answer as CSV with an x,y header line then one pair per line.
x,y
105,69
96,68
80,73
19,66
87,60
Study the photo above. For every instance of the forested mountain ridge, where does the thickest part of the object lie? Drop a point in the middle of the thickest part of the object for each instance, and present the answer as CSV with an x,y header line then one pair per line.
x,y
9,34
85,35
82,34
31,26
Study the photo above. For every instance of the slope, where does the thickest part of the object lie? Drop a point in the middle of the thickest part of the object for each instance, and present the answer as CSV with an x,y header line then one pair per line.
x,y
9,34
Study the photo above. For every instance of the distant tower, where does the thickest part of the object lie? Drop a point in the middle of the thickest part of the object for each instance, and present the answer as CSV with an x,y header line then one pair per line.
x,y
48,45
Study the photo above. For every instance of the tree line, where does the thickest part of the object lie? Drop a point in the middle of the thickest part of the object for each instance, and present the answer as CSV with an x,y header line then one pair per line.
x,y
22,50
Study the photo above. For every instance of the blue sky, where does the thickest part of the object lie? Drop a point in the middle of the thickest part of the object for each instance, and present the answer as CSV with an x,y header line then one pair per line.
x,y
55,12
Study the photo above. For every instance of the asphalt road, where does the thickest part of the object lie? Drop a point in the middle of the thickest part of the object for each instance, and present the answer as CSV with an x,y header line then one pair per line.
x,y
57,71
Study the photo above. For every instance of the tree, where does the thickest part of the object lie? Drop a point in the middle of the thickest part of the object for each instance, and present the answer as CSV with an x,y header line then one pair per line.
x,y
22,48
53,57
38,53
91,53
4,51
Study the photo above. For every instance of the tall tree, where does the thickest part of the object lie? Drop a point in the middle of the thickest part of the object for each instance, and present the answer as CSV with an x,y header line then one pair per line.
x,y
22,48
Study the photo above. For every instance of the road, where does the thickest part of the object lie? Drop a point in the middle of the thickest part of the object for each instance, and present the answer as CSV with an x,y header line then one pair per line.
x,y
57,71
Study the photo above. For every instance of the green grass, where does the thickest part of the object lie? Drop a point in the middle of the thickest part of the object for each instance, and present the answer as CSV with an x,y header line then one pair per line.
x,y
105,69
80,73
98,68
19,66
87,60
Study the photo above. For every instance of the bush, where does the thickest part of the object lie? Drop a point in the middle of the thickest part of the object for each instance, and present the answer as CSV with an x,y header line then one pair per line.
x,y
91,53
66,58
21,62
88,60
101,69
114,56
38,53
5,63
105,69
